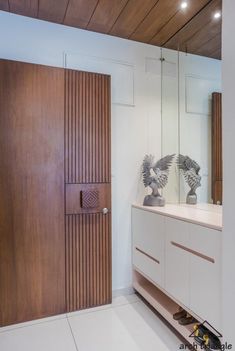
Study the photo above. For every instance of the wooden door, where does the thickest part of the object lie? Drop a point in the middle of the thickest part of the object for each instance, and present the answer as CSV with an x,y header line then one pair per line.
x,y
32,238
88,189
217,161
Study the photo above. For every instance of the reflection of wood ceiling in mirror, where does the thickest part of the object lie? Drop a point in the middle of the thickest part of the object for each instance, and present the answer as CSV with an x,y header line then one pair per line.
x,y
157,22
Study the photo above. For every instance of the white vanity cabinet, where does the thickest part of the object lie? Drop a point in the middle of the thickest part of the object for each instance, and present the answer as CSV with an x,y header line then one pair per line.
x,y
182,257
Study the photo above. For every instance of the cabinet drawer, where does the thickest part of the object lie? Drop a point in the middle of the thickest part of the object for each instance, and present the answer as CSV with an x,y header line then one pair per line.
x,y
205,241
205,277
148,265
177,231
148,233
205,290
193,268
177,261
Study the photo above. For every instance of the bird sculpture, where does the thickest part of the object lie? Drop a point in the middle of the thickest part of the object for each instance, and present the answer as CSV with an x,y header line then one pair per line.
x,y
155,175
190,170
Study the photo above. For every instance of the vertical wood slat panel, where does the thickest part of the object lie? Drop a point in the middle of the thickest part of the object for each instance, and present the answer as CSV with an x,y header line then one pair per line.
x,y
88,247
87,116
87,163
217,161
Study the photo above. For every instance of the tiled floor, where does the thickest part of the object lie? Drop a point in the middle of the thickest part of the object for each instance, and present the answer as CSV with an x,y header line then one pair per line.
x,y
126,325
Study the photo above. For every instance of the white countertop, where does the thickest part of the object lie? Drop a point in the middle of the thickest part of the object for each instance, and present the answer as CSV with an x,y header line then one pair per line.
x,y
206,215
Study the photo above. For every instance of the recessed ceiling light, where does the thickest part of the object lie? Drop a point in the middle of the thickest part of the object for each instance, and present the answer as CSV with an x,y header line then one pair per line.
x,y
184,4
217,15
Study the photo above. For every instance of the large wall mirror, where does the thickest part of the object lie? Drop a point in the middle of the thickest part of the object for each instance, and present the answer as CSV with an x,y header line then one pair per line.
x,y
191,106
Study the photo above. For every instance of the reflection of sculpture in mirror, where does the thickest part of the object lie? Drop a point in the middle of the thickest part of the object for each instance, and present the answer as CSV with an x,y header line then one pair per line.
x,y
155,175
190,170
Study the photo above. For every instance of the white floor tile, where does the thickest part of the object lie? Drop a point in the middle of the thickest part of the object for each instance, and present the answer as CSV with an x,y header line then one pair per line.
x,y
126,325
117,301
145,324
131,327
35,321
124,300
89,310
49,336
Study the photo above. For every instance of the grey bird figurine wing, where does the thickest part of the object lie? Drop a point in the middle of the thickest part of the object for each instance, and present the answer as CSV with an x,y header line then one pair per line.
x,y
147,166
160,171
192,178
185,163
190,170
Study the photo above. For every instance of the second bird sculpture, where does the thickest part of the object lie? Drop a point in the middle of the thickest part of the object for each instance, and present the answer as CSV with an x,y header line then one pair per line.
x,y
155,175
190,170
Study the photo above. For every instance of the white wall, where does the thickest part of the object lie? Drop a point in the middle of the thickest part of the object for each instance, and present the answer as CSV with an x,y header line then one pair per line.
x,y
136,108
228,79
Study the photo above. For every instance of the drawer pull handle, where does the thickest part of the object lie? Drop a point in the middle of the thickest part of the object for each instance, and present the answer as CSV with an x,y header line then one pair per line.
x,y
144,253
204,257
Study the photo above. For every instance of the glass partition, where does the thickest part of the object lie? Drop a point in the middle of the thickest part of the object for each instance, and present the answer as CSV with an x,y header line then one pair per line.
x,y
170,118
188,84
199,78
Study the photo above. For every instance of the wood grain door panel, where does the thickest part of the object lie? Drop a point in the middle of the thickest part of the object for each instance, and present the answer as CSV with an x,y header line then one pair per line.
x,y
74,197
87,171
88,263
32,239
87,135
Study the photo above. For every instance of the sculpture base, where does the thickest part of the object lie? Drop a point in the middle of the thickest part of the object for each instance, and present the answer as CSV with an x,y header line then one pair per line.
x,y
151,200
191,199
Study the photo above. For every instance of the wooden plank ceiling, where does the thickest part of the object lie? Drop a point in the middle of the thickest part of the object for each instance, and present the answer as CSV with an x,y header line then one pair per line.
x,y
158,22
